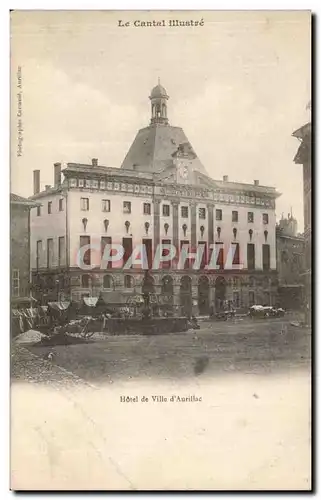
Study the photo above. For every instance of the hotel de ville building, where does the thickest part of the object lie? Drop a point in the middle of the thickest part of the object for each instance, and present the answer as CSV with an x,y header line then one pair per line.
x,y
161,194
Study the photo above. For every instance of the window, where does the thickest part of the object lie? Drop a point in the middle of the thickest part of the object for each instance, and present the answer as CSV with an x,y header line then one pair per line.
x,y
250,216
61,204
86,256
72,182
146,208
128,281
49,207
149,255
108,281
15,283
184,212
88,183
49,252
105,205
202,213
284,256
38,211
236,253
236,282
266,257
166,210
218,214
39,251
81,183
266,298
61,250
165,251
250,256
265,218
128,249
84,203
251,281
127,207
251,299
85,280
202,244
235,216
94,184
187,248
236,299
219,253
105,254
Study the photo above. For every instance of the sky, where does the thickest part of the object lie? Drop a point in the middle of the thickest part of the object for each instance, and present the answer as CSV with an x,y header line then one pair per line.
x,y
239,86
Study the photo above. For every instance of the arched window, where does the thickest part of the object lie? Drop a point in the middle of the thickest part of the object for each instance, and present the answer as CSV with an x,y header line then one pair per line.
x,y
108,281
85,280
128,281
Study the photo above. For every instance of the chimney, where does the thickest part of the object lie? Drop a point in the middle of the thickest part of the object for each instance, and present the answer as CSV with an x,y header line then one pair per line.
x,y
36,181
256,182
57,174
225,178
94,162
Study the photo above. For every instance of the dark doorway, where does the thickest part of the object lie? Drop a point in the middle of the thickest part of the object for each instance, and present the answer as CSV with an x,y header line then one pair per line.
x,y
186,295
203,295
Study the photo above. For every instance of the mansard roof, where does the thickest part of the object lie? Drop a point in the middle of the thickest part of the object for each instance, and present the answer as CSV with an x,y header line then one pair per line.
x,y
154,148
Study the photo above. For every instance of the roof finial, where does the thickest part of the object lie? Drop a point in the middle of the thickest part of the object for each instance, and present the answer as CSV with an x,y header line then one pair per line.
x,y
158,81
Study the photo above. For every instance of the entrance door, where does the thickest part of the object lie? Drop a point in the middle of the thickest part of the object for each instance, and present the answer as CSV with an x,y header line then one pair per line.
x,y
203,295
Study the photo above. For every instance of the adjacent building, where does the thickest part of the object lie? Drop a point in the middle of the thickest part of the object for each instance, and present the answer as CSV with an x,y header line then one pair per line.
x,y
161,195
20,250
290,263
303,157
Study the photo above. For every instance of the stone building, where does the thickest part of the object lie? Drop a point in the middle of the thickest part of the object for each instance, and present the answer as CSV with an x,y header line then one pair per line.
x,y
290,263
303,157
20,250
161,195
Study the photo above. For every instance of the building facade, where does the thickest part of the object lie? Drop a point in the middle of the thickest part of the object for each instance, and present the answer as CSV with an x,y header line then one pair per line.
x,y
161,195
290,264
303,157
20,250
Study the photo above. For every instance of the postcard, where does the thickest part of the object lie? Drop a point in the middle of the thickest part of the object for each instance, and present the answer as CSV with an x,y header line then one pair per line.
x,y
160,205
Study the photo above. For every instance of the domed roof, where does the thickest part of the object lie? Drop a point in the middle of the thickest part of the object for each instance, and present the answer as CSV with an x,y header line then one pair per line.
x,y
158,91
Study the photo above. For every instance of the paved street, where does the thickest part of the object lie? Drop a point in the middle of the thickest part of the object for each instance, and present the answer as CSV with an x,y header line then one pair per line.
x,y
258,347
250,430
